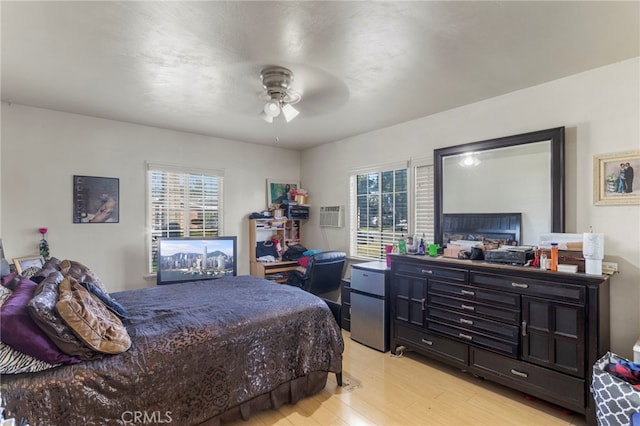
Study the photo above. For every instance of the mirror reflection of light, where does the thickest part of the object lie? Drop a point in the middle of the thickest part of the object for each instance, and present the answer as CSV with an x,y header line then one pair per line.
x,y
469,160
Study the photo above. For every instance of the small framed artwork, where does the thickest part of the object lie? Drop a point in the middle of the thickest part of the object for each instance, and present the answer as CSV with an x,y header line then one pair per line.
x,y
615,181
96,199
279,192
22,263
1,250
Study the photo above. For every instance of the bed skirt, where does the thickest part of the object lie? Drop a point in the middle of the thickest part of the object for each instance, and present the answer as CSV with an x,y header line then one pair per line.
x,y
287,393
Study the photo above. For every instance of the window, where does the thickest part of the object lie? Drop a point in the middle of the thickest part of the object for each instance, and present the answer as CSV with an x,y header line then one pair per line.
x,y
379,211
182,202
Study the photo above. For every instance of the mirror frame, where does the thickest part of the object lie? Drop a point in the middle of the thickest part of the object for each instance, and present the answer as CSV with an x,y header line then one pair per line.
x,y
555,135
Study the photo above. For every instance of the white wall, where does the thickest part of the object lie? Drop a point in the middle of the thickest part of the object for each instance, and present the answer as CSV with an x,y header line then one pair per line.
x,y
601,112
42,150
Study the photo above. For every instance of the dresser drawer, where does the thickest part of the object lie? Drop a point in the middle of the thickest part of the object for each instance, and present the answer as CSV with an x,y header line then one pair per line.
x,y
489,297
530,286
429,271
507,348
537,381
422,339
509,333
474,308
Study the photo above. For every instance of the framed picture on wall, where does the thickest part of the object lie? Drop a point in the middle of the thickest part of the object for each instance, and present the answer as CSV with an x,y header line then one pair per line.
x,y
96,199
615,178
279,191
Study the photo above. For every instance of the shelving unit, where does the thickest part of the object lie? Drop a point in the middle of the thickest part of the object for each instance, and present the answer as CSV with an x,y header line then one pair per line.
x,y
287,231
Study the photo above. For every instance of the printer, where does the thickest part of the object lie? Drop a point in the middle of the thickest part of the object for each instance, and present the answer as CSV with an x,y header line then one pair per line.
x,y
511,255
295,211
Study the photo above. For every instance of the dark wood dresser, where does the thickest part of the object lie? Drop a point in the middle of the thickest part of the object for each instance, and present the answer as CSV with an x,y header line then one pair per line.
x,y
533,330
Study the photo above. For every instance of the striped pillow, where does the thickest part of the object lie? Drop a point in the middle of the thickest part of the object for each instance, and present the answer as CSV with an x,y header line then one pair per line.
x,y
13,361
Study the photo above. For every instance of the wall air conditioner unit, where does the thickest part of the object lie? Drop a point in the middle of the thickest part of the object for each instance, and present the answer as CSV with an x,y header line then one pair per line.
x,y
332,216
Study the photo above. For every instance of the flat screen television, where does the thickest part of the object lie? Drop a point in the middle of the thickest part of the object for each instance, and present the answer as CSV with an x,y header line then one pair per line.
x,y
195,259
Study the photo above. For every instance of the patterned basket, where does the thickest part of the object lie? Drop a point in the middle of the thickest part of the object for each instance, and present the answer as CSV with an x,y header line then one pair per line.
x,y
616,400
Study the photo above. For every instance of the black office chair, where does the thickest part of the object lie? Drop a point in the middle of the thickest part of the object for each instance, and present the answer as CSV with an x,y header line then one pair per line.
x,y
323,278
323,274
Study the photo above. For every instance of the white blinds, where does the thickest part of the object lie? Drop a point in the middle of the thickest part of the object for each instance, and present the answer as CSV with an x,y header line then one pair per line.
x,y
424,219
183,203
378,211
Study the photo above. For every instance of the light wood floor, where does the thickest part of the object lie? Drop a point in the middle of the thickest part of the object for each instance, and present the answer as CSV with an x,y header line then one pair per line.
x,y
411,390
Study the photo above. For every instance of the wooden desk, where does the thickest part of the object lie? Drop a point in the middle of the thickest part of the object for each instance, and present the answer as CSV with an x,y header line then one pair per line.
x,y
269,269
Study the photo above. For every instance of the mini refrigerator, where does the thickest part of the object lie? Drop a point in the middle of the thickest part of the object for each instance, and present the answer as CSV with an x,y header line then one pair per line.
x,y
370,304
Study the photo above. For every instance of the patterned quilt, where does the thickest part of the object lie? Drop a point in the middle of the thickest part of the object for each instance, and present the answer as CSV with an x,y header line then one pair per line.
x,y
199,349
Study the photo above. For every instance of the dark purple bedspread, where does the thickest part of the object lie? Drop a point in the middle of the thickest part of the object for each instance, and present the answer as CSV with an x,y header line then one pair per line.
x,y
199,349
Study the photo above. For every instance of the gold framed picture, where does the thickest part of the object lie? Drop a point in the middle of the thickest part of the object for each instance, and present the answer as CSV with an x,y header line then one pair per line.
x,y
615,181
22,263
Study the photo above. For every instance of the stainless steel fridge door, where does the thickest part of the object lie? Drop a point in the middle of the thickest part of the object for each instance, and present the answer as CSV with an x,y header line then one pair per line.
x,y
368,321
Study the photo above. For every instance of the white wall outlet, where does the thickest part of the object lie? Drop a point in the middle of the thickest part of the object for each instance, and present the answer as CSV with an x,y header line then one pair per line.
x,y
609,267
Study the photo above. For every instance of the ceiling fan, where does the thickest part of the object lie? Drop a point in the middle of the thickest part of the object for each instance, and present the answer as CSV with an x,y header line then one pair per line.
x,y
278,94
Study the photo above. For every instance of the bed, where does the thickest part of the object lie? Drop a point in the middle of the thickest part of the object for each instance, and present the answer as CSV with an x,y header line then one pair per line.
x,y
201,353
492,228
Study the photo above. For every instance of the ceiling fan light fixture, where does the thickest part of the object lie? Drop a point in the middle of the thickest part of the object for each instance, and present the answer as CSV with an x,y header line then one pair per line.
x,y
265,117
279,95
272,108
289,112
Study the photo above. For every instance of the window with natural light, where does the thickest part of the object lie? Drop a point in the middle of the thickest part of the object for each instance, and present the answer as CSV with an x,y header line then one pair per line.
x,y
182,202
379,211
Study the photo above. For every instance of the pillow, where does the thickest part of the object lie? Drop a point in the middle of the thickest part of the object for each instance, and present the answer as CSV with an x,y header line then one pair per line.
x,y
18,330
81,273
42,309
15,362
311,252
51,265
108,301
304,261
7,280
29,272
90,319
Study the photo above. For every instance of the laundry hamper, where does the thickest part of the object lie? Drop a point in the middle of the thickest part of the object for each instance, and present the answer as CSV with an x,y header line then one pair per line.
x,y
616,399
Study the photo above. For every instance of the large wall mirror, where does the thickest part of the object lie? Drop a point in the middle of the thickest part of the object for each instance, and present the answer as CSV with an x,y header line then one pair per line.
x,y
514,174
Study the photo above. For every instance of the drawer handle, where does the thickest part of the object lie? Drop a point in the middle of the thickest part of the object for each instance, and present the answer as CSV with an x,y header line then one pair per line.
x,y
423,304
465,336
427,342
468,292
426,271
468,308
365,275
466,321
519,285
519,373
523,327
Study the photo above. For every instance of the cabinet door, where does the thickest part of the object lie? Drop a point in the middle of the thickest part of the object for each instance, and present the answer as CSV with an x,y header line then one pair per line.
x,y
553,335
409,299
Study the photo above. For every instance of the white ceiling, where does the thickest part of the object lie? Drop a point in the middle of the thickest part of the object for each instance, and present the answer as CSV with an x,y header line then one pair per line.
x,y
195,66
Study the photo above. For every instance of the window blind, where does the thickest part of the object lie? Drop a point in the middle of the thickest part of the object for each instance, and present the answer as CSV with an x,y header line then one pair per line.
x,y
378,211
182,203
424,220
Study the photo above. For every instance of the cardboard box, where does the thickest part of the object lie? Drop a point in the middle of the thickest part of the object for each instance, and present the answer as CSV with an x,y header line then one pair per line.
x,y
569,257
452,252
